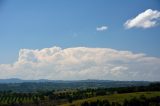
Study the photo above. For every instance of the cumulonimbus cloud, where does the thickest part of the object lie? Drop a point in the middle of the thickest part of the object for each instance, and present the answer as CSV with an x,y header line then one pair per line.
x,y
146,19
82,63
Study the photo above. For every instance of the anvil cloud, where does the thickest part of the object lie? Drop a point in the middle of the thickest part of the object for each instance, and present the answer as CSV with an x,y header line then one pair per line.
x,y
82,63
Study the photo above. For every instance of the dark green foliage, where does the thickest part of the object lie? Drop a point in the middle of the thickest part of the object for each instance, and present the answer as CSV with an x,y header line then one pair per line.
x,y
33,86
70,99
96,103
142,101
54,97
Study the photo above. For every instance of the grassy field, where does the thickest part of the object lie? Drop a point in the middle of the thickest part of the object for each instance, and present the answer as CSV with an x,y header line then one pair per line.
x,y
115,97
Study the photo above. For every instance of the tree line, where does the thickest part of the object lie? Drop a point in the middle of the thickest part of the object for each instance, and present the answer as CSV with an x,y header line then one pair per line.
x,y
142,101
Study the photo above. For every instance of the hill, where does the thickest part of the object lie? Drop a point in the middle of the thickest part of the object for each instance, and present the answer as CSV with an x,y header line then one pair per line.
x,y
119,98
18,85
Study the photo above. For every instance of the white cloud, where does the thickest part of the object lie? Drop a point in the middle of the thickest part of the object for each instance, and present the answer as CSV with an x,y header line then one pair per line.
x,y
82,63
146,19
102,28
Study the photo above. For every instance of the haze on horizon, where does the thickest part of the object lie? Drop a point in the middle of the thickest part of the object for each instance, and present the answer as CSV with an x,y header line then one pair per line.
x,y
76,40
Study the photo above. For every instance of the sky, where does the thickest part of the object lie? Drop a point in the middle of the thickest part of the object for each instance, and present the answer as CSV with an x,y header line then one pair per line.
x,y
68,39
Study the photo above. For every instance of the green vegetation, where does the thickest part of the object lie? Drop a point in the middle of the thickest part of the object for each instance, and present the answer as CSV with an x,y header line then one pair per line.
x,y
117,98
48,85
75,97
10,98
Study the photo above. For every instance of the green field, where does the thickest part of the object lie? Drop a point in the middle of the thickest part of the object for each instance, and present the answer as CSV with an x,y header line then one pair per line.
x,y
6,100
115,97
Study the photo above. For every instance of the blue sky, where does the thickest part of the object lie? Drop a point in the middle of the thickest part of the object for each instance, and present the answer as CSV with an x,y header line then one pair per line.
x,y
80,39
36,24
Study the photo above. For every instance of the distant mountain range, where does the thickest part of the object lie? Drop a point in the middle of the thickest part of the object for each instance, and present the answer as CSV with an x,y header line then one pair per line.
x,y
16,80
19,85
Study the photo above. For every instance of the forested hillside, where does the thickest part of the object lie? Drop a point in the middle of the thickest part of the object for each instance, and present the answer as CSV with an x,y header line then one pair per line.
x,y
71,96
17,85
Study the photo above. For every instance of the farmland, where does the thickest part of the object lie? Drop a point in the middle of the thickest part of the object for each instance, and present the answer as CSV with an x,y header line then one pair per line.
x,y
81,97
